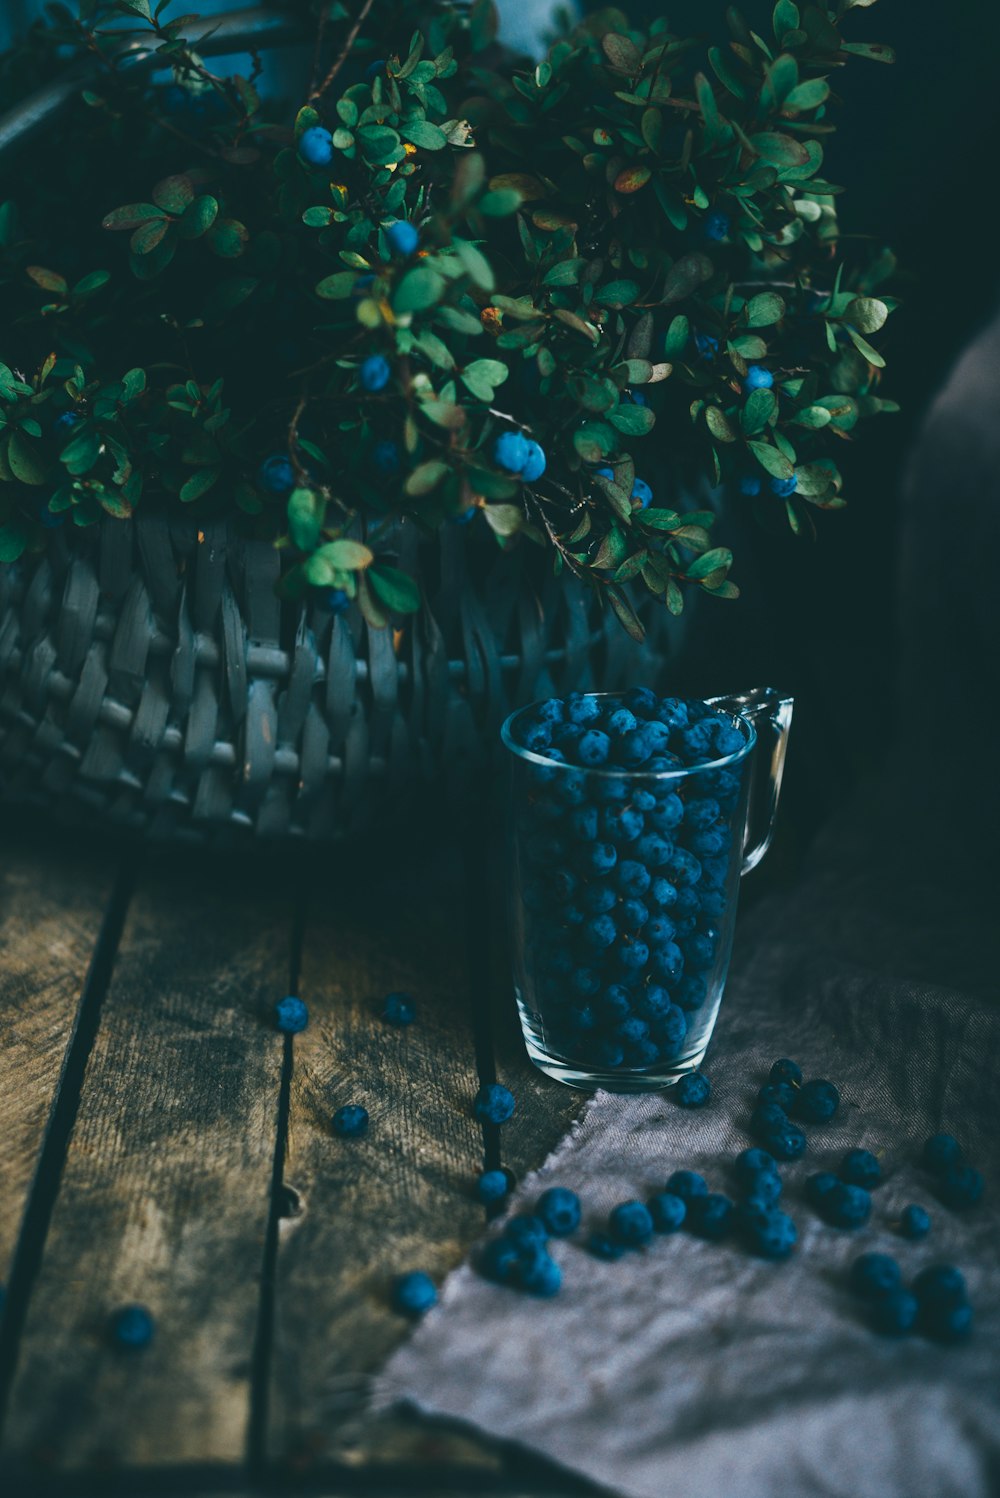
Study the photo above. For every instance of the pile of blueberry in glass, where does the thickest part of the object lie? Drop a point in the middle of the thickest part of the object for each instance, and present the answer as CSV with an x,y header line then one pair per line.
x,y
625,879
937,1305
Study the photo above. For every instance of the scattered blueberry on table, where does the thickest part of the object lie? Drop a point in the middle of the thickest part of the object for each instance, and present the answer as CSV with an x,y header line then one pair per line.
x,y
493,1103
693,1090
492,1186
414,1293
936,1304
132,1327
350,1121
859,1167
631,1223
290,1015
559,1209
914,1221
956,1184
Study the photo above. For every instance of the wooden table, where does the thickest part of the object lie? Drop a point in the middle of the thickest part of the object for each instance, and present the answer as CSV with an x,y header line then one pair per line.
x,y
163,1144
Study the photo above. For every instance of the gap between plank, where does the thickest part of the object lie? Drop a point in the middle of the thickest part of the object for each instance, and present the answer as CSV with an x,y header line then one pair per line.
x,y
62,1117
264,1336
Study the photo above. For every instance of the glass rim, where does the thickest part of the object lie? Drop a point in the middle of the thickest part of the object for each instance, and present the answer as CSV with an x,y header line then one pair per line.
x,y
520,751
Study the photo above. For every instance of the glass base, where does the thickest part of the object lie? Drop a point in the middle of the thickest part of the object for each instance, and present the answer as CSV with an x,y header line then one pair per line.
x,y
591,1079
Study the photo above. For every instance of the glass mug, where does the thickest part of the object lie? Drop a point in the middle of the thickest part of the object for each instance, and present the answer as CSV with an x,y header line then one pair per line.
x,y
619,971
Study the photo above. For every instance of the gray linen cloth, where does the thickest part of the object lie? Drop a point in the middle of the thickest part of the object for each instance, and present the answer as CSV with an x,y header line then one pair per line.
x,y
693,1369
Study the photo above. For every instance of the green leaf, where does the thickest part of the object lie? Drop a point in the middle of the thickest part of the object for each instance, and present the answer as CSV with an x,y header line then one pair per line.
x,y
720,557
813,480
423,134
426,477
565,273
13,540
81,452
769,458
632,178
27,461
482,377
475,263
779,150
808,95
677,337
48,280
873,51
397,590
174,194
132,216
685,276
87,285
198,217
622,53
719,425
765,308
866,313
133,384
379,143
227,238
346,555
504,520
337,287
813,417
785,18
865,349
758,410
633,421
617,294
499,204
198,484
626,614
419,289
138,8
306,510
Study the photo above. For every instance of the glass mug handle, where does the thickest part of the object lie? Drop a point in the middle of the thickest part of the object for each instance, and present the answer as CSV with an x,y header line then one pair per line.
x,y
770,712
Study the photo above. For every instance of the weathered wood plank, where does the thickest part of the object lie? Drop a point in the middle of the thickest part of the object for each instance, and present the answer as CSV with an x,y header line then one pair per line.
x,y
401,1198
50,915
165,1191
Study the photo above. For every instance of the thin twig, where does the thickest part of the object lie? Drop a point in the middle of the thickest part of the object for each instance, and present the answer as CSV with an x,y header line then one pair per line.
x,y
345,51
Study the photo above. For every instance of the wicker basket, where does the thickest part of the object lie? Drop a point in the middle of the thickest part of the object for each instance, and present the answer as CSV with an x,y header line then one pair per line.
x,y
150,674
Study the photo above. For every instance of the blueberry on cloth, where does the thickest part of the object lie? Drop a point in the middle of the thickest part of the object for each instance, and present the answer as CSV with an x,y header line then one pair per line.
x,y
493,1103
782,1093
860,1168
940,1151
539,1273
375,372
960,1187
398,1009
914,1221
290,1015
499,1260
402,237
631,1223
687,1184
693,1091
510,451
276,474
816,1101
895,1313
875,1274
351,1121
526,1228
783,487
559,1209
535,465
785,1141
940,1285
132,1327
766,1186
846,1206
603,1246
758,378
492,1186
772,1235
818,1188
946,1323
711,1216
316,146
414,1293
749,1164
668,1211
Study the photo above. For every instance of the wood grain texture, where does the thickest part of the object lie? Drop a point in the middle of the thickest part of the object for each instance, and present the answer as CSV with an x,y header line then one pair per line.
x,y
165,1190
399,1199
50,914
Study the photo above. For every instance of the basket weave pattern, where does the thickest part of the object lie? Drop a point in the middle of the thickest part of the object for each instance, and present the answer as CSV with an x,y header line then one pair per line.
x,y
150,674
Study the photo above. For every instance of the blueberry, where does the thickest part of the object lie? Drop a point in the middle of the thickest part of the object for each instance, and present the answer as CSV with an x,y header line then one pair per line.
x,y
786,1071
583,823
818,1188
706,345
816,1101
940,1151
783,487
668,963
622,721
600,931
787,1142
660,929
526,1229
386,456
413,1294
132,1328
582,709
585,981
693,1091
603,1246
667,813
683,869
492,1186
846,1206
632,1030
691,992
500,1260
559,1209
316,146
772,1235
593,748
632,877
375,68
399,1009
337,601
642,494
750,484
633,914
610,1054
757,378
670,1030
633,749
728,740
642,1054
767,1116
699,951
552,710
599,858
766,1186
351,1121
960,1187
687,1184
874,1274
402,238
777,1092
697,742
537,737
701,813
493,1103
895,1313
749,1164
599,898
914,1221
705,844
538,1273
662,893
641,701
711,1216
276,474
510,451
946,1323
653,1002
535,464
860,1168
667,1211
375,372
673,712
290,1015
940,1286
716,225
631,1223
